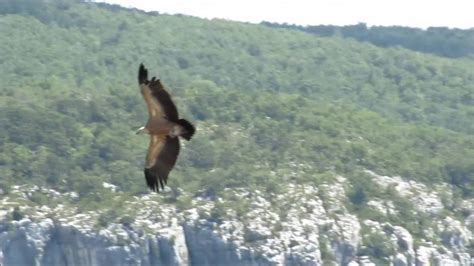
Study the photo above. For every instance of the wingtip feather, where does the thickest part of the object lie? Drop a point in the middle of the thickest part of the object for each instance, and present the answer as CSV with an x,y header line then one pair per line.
x,y
154,180
142,74
151,180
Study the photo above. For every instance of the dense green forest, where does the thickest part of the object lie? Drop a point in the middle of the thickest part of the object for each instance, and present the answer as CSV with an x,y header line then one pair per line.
x,y
272,105
436,40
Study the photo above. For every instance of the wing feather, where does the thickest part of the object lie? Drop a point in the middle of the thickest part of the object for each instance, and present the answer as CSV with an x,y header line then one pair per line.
x,y
154,108
158,100
161,158
164,99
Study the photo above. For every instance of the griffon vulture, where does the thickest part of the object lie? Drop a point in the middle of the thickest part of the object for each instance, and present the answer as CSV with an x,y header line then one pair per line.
x,y
164,127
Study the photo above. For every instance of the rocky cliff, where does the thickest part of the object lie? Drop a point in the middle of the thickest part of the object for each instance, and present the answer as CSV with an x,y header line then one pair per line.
x,y
304,225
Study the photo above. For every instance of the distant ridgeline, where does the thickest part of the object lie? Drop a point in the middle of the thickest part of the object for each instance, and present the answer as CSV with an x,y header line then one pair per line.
x,y
46,11
440,41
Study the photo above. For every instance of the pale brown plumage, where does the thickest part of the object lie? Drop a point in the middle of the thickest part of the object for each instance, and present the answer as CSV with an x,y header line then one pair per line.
x,y
164,128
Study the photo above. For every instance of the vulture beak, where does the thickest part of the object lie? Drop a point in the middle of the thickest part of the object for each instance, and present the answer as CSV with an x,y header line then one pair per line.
x,y
140,131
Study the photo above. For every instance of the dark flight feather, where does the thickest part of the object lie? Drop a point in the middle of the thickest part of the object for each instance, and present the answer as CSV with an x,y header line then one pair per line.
x,y
157,175
159,93
142,75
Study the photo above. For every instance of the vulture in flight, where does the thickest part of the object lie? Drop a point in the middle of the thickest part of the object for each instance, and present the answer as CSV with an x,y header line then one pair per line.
x,y
164,127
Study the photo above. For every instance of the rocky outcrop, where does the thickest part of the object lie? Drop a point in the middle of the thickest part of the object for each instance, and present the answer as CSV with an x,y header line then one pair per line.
x,y
305,225
47,243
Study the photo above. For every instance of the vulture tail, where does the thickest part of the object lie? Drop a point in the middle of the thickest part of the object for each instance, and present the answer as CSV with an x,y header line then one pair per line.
x,y
188,129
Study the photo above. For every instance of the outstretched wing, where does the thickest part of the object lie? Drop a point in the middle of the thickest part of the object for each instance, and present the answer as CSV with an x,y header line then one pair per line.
x,y
154,107
157,98
160,160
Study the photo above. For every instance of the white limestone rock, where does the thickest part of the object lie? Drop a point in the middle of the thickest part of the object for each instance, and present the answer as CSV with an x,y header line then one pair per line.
x,y
454,234
400,260
289,228
404,239
423,199
424,255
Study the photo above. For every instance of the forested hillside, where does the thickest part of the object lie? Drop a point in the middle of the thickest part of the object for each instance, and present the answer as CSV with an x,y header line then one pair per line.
x,y
272,106
295,132
440,41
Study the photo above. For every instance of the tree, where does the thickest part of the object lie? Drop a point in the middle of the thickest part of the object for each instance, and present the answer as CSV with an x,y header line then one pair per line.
x,y
17,214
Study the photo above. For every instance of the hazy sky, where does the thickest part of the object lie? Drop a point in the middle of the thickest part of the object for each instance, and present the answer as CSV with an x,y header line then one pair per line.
x,y
413,13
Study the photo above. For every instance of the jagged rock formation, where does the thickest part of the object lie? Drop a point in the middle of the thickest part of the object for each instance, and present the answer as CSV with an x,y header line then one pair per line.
x,y
305,225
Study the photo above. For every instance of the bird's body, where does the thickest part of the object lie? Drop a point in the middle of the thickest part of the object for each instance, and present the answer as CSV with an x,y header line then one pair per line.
x,y
164,128
160,126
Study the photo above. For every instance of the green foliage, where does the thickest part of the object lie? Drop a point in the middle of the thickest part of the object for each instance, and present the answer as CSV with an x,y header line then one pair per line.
x,y
106,218
184,202
326,255
436,40
127,220
377,246
17,214
289,109
358,196
4,188
40,198
218,213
